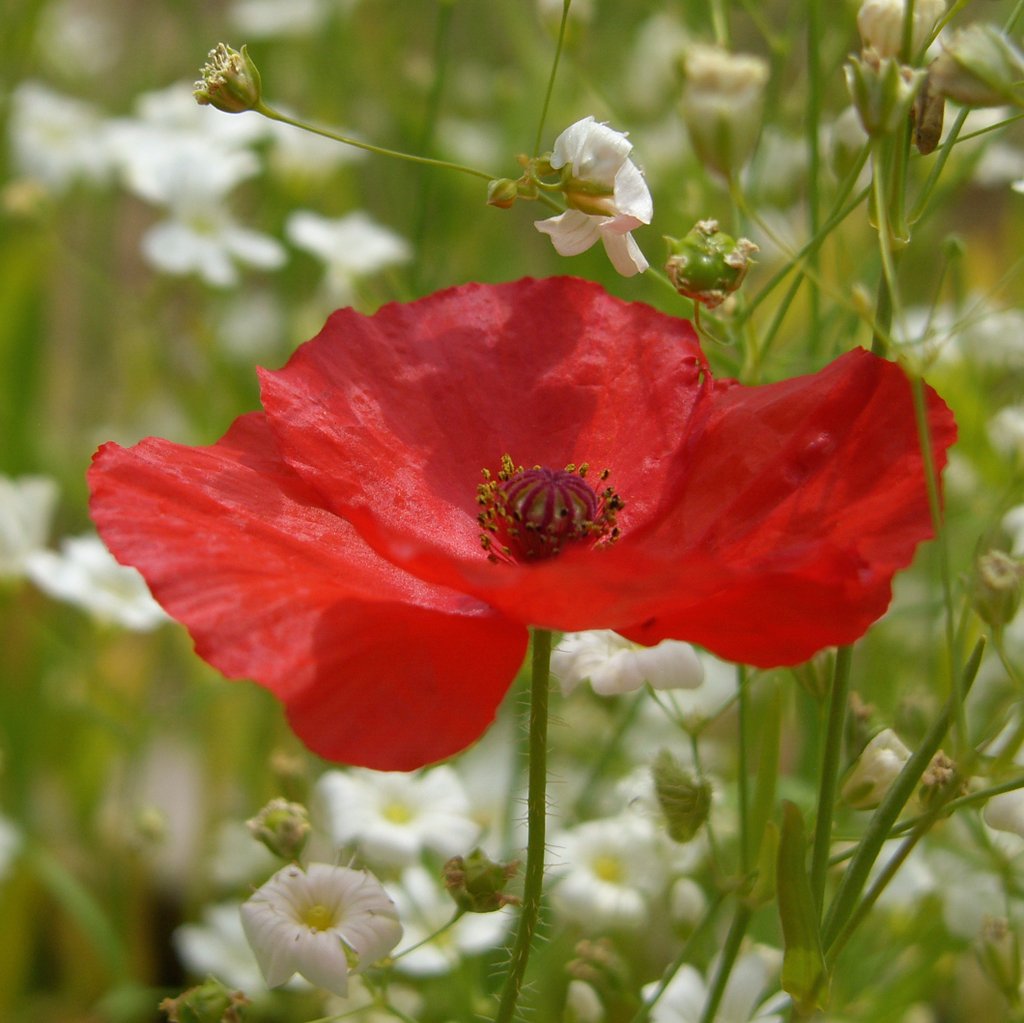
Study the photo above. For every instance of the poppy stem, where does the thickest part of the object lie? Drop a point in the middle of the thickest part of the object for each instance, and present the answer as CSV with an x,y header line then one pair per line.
x,y
536,816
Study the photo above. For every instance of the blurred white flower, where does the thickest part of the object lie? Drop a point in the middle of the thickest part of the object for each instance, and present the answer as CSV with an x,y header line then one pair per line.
x,y
1005,812
393,816
55,139
424,907
261,19
606,193
85,574
684,998
875,770
78,37
1013,523
27,504
651,71
1006,431
350,247
880,23
10,843
614,665
322,922
610,870
217,947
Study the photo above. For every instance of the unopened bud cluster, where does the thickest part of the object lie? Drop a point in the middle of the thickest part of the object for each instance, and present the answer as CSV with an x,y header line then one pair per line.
x,y
996,587
282,827
477,884
210,1002
685,799
980,67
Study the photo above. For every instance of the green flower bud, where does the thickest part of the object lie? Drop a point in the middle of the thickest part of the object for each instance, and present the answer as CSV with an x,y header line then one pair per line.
x,y
685,800
998,951
282,827
477,884
882,91
707,265
230,82
210,1002
996,587
502,192
980,67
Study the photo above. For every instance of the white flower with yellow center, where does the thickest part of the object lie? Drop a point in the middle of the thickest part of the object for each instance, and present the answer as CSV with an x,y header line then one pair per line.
x,y
393,817
606,193
323,922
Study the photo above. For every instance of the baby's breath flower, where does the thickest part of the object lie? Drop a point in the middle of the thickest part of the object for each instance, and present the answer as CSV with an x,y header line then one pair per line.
x,y
880,23
27,504
230,82
323,922
723,97
875,770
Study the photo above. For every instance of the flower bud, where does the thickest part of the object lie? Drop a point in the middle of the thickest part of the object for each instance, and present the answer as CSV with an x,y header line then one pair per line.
x,y
685,800
230,82
998,951
882,91
282,827
996,587
940,782
477,884
880,23
875,770
1005,812
502,192
210,1002
707,265
722,101
979,67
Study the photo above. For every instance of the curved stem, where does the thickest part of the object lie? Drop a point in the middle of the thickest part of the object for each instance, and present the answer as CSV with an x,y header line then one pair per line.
x,y
536,812
566,4
275,115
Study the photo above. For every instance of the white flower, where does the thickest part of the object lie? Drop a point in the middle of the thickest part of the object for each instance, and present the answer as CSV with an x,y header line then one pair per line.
x,y
1005,812
216,946
876,769
261,19
85,574
350,247
684,997
10,843
615,665
424,908
26,510
611,869
322,922
606,192
394,816
880,23
56,139
1006,431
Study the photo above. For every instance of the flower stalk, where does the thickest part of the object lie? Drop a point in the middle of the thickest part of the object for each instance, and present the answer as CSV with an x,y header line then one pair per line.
x,y
536,813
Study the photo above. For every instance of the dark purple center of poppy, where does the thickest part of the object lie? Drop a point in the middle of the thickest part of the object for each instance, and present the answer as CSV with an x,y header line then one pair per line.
x,y
531,514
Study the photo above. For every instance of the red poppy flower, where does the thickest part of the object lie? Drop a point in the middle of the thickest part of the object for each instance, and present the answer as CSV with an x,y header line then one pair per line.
x,y
330,546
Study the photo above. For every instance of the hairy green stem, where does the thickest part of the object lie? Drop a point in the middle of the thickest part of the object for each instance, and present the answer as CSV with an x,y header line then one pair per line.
x,y
536,813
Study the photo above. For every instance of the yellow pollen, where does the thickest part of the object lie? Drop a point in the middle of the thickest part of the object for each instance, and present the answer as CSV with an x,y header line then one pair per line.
x,y
608,868
318,917
397,813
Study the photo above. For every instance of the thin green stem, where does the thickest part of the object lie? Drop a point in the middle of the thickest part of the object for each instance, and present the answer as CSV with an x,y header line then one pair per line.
x,y
458,915
742,781
880,825
566,4
813,155
536,813
730,950
275,115
830,763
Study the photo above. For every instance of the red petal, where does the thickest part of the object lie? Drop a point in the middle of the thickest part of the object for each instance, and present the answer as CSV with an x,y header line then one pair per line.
x,y
800,500
375,667
393,417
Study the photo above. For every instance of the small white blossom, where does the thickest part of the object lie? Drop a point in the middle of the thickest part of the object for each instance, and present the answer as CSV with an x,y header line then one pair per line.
x,y
322,922
606,193
1006,431
424,908
216,946
614,665
10,844
880,23
393,816
85,574
26,511
350,247
1005,812
262,19
56,139
876,769
611,869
